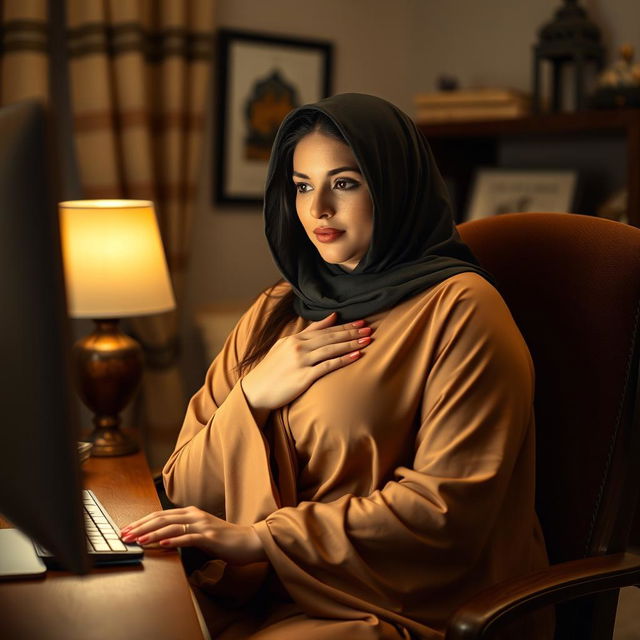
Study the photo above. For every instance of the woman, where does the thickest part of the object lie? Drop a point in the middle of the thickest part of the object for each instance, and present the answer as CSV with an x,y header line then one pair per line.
x,y
360,459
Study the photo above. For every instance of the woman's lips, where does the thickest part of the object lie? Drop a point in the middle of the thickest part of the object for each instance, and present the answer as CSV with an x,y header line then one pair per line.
x,y
327,235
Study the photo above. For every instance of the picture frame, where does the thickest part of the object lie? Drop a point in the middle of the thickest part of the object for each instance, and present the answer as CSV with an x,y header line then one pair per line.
x,y
261,77
498,190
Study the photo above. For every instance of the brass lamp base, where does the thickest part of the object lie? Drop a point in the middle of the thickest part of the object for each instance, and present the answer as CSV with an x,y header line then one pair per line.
x,y
108,370
111,441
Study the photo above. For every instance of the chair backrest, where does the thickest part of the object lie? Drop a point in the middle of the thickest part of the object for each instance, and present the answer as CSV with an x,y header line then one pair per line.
x,y
572,283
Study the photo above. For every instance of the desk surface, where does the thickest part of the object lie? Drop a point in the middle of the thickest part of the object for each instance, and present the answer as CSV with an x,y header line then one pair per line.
x,y
144,602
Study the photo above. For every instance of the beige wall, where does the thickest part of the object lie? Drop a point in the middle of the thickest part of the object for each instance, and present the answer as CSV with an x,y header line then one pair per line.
x,y
391,48
489,42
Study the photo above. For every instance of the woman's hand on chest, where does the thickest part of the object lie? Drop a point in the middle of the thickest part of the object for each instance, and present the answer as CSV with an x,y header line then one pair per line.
x,y
295,362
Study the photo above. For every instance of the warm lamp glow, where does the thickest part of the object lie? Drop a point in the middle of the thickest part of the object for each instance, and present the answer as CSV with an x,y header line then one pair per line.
x,y
114,266
114,261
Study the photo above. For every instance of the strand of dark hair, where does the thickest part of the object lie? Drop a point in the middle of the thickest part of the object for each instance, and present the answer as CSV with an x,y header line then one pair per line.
x,y
279,317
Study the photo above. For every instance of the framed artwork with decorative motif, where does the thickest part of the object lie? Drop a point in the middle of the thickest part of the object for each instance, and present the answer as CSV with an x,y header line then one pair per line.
x,y
260,79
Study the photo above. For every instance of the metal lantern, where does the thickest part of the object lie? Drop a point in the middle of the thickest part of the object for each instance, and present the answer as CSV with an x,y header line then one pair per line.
x,y
569,39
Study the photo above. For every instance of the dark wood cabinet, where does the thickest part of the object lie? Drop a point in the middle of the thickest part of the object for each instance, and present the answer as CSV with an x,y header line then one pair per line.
x,y
461,147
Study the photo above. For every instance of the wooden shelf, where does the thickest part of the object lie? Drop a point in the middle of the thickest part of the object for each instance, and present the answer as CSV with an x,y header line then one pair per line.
x,y
476,141
579,122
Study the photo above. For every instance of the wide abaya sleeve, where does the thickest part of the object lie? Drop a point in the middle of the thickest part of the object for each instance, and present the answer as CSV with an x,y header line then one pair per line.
x,y
221,449
410,551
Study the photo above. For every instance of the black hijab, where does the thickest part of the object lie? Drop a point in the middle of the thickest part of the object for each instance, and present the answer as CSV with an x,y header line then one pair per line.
x,y
414,245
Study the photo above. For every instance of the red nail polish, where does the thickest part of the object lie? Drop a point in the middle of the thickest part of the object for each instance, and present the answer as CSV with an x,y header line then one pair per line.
x,y
357,323
366,340
353,354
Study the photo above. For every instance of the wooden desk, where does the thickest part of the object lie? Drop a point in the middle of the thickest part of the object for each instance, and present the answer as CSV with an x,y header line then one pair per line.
x,y
150,601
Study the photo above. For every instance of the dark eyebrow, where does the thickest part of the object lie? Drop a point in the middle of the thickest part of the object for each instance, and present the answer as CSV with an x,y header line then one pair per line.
x,y
333,172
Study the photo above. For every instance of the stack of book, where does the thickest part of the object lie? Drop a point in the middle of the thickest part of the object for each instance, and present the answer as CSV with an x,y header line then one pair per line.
x,y
471,104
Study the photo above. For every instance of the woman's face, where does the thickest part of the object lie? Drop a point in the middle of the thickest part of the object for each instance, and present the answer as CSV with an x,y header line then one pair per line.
x,y
332,199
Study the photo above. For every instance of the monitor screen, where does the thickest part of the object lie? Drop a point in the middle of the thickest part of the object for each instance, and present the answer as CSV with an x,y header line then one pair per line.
x,y
41,482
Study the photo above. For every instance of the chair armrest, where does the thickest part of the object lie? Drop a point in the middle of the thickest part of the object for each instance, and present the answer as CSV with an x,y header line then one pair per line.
x,y
481,616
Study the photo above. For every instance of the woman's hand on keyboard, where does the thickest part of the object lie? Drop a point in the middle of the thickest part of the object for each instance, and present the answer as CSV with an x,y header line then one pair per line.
x,y
192,527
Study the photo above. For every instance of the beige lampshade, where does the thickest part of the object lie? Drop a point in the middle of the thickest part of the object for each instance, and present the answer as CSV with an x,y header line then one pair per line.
x,y
114,262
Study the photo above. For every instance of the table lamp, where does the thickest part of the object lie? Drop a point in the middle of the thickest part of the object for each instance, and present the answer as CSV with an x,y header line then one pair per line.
x,y
114,267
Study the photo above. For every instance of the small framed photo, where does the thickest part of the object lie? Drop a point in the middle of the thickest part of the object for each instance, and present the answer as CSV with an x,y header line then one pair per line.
x,y
497,191
260,79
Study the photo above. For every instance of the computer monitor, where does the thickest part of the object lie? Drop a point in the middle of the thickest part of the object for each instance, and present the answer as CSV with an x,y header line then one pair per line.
x,y
40,491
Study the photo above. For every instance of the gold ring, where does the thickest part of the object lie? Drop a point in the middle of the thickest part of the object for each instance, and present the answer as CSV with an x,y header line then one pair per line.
x,y
186,528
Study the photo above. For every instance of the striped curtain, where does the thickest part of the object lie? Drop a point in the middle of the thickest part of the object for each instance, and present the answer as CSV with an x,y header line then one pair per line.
x,y
139,72
24,53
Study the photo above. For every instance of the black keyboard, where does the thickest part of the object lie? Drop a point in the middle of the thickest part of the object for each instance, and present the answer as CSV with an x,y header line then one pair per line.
x,y
103,537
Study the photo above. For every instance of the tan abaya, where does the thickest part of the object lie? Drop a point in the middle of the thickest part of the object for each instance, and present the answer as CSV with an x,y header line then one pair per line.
x,y
387,493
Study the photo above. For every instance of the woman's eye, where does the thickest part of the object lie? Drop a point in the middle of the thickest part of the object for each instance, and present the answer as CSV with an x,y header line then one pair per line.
x,y
345,183
302,187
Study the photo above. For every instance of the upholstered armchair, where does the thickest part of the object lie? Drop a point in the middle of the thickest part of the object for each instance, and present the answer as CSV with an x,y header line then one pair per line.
x,y
572,283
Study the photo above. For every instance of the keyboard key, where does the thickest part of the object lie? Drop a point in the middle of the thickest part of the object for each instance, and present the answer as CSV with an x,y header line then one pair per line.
x,y
116,545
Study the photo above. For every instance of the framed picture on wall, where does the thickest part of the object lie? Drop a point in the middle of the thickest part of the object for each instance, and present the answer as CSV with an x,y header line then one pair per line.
x,y
497,191
260,79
